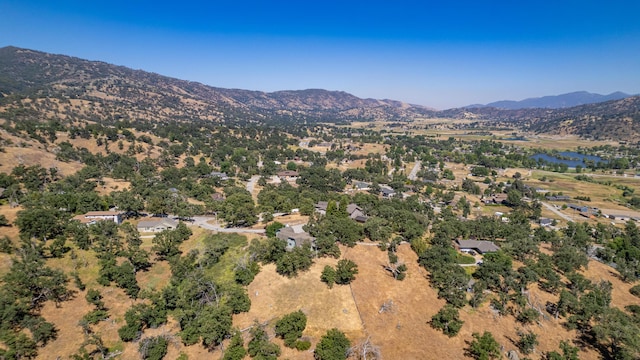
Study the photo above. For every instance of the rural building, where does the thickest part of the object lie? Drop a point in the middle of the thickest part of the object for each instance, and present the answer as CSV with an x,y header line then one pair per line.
x,y
220,175
387,192
295,236
558,198
288,175
579,208
157,225
354,211
545,222
479,246
92,216
496,199
361,185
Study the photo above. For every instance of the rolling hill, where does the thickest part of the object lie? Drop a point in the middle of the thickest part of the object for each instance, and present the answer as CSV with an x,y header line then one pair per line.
x,y
555,101
39,86
110,91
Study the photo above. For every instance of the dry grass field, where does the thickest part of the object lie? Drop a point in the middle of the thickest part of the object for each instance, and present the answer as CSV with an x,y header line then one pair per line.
x,y
19,151
404,332
273,296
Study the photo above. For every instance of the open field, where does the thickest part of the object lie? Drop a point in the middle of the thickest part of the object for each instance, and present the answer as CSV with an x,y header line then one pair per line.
x,y
273,296
404,332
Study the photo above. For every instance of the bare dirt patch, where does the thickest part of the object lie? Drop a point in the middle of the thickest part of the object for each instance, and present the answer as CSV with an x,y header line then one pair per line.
x,y
111,185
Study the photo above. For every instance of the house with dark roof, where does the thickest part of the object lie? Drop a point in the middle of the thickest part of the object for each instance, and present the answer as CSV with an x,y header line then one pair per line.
x,y
220,175
558,198
479,246
496,199
157,225
361,185
579,208
354,211
387,192
545,222
295,236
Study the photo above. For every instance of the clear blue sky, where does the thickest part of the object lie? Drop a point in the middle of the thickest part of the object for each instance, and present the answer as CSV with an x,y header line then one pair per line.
x,y
436,53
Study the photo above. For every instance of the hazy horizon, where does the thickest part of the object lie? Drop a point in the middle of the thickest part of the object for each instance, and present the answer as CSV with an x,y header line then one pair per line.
x,y
440,55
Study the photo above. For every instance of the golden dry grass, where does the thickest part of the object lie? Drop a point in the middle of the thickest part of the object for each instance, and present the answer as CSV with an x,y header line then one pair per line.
x,y
273,296
405,333
29,153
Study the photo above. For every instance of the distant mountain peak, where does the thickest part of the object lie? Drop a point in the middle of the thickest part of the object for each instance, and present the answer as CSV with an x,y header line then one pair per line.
x,y
561,101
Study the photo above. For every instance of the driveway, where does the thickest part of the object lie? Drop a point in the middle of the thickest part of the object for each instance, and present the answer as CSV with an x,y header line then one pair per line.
x,y
558,212
251,184
201,221
413,175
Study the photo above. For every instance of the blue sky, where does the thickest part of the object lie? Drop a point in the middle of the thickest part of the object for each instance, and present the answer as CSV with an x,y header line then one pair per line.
x,y
441,54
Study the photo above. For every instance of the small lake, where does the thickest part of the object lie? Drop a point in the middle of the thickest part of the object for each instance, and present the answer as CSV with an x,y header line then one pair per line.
x,y
570,158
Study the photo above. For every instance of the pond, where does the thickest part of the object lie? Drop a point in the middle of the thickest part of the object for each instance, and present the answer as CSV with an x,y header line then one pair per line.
x,y
570,158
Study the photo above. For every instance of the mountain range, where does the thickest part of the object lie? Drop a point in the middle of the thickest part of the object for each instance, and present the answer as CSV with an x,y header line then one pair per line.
x,y
554,101
40,86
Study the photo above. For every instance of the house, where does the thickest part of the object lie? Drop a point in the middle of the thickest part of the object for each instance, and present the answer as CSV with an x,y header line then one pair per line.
x,y
92,216
82,220
580,208
558,198
387,192
545,222
157,225
479,246
220,175
288,175
354,211
361,185
496,199
295,236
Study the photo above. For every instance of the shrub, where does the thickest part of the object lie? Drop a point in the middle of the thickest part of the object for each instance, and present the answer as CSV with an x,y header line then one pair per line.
x,y
153,348
95,316
346,271
290,327
332,346
302,345
328,276
447,320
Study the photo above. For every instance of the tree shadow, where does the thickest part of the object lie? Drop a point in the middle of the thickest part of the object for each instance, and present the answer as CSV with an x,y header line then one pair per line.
x,y
587,340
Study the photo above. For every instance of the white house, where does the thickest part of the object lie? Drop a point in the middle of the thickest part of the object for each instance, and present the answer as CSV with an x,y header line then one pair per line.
x,y
93,216
157,225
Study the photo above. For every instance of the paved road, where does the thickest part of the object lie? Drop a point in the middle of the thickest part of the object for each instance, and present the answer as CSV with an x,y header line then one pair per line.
x,y
201,221
557,212
413,175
